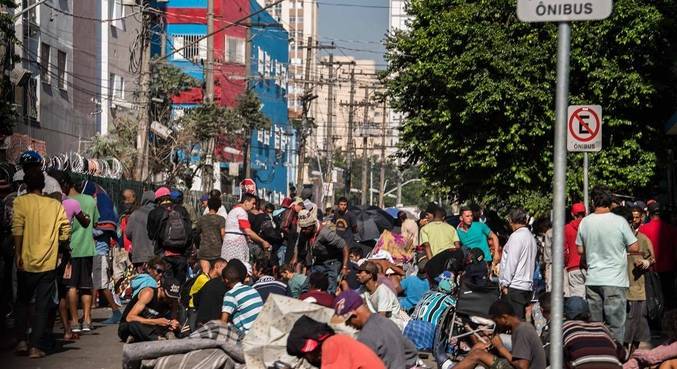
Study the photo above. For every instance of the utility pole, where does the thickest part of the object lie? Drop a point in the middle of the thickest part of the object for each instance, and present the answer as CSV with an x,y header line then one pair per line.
x,y
399,184
330,138
304,131
382,177
349,160
208,168
365,154
141,167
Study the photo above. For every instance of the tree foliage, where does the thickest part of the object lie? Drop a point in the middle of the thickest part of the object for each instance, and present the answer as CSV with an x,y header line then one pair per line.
x,y
8,37
477,87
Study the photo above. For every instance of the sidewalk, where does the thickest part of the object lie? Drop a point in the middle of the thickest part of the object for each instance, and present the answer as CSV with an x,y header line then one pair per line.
x,y
100,349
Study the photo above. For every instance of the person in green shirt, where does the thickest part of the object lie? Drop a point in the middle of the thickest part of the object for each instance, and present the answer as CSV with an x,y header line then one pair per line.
x,y
438,235
83,249
474,234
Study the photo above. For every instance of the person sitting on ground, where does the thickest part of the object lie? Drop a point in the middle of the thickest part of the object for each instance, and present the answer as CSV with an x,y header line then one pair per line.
x,y
587,344
412,288
215,268
527,352
320,346
208,300
317,292
663,356
242,303
297,282
349,281
264,271
379,297
376,331
145,317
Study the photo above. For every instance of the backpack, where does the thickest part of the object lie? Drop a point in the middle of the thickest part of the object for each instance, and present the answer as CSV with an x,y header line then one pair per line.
x,y
655,301
173,234
184,291
269,232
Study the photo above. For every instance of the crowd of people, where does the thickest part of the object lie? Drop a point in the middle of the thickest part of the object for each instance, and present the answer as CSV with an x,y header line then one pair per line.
x,y
166,270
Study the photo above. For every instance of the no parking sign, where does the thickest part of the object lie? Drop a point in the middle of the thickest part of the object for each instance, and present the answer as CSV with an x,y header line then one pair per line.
x,y
584,128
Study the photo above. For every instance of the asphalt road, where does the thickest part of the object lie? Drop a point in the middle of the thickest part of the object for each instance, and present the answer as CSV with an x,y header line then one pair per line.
x,y
100,349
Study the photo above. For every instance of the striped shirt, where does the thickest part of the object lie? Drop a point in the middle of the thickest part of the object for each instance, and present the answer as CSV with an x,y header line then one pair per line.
x,y
266,285
431,307
243,304
589,346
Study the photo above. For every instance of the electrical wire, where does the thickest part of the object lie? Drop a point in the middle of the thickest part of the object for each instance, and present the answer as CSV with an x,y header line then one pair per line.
x,y
47,4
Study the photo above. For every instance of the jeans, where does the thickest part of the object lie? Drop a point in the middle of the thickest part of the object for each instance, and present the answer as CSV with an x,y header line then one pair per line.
x,y
331,268
42,285
608,304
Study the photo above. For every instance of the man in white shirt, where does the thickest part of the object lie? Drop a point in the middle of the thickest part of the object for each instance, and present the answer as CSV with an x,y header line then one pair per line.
x,y
518,261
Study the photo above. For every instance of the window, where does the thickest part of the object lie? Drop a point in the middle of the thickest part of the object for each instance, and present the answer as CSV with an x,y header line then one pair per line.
x,y
44,63
116,11
61,70
33,17
278,138
117,87
260,60
259,135
194,51
266,137
235,50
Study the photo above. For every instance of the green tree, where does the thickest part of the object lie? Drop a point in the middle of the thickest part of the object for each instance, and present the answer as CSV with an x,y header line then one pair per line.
x,y
248,108
477,87
7,58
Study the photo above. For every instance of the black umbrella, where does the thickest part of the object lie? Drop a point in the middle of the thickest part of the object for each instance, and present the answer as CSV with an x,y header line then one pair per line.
x,y
371,222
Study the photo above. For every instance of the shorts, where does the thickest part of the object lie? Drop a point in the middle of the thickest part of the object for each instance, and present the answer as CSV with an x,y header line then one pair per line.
x,y
500,363
101,278
81,273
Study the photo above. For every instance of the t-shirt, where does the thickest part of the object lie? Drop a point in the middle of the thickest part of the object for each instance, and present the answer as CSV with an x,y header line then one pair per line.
x,y
72,207
384,300
343,352
266,285
606,238
518,260
432,306
588,346
318,297
199,282
297,285
663,236
209,300
637,291
344,225
527,345
243,304
42,222
476,237
414,288
387,341
209,227
82,240
440,235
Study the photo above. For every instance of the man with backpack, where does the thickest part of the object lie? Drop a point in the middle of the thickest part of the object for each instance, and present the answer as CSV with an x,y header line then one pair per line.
x,y
169,226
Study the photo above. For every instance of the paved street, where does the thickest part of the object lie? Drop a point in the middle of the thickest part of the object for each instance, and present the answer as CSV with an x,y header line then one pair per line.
x,y
100,349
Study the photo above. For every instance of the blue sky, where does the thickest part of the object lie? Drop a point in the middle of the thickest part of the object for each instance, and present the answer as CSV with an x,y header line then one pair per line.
x,y
354,24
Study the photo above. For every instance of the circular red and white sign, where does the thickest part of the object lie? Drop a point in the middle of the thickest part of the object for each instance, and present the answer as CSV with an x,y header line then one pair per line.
x,y
584,131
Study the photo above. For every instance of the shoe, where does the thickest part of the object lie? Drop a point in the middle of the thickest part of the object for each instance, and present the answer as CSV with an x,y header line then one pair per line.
x,y
75,327
86,327
114,319
21,348
36,353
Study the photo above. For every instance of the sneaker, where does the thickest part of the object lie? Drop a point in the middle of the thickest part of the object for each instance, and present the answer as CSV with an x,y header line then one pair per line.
x,y
36,353
114,319
86,327
21,348
75,327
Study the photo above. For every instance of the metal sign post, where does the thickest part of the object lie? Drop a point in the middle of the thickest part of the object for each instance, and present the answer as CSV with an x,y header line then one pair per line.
x,y
586,197
562,11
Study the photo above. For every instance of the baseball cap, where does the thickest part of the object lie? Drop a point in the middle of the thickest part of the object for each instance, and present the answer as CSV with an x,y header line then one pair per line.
x,y
346,302
578,208
306,335
204,197
162,191
574,307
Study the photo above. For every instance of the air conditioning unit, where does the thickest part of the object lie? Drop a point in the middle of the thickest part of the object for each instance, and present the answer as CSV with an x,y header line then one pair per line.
x,y
130,2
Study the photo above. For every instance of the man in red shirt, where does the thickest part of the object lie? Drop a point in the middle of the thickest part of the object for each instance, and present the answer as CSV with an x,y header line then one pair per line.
x,y
663,237
575,275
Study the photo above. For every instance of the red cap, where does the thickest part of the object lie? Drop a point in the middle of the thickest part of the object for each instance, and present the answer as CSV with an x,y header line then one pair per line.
x,y
578,208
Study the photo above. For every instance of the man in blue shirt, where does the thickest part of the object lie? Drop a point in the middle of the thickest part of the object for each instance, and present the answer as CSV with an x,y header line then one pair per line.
x,y
413,288
474,234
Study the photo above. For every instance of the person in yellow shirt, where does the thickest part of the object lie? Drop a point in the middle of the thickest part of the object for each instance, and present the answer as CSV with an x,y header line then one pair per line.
x,y
39,223
215,268
438,235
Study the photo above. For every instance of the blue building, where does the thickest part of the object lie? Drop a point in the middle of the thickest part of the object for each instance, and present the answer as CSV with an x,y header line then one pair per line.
x,y
271,151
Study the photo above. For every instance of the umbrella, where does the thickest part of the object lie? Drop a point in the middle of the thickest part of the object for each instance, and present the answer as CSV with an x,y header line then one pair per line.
x,y
371,222
393,212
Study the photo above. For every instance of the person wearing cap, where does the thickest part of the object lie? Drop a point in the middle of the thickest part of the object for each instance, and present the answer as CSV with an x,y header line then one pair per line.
x,y
83,250
587,344
605,239
322,247
289,227
320,346
174,256
412,288
574,281
376,331
137,230
663,237
527,351
379,298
